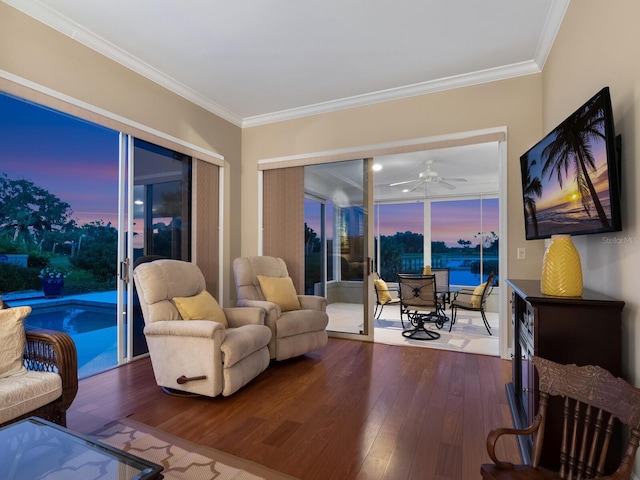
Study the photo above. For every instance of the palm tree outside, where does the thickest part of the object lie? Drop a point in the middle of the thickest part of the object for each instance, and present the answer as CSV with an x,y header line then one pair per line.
x,y
572,147
531,187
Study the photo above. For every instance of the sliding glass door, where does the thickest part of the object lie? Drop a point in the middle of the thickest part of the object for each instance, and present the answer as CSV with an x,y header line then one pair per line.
x,y
80,203
156,208
337,242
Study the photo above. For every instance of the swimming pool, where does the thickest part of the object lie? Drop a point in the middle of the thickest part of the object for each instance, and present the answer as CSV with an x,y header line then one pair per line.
x,y
72,318
92,328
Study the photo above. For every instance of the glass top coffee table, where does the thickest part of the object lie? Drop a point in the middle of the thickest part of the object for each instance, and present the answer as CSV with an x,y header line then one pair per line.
x,y
38,449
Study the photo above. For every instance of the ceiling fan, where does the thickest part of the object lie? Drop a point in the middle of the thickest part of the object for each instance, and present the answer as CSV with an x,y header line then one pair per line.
x,y
429,176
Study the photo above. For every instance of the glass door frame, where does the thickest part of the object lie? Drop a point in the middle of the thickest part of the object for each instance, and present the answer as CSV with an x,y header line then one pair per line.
x,y
368,294
125,250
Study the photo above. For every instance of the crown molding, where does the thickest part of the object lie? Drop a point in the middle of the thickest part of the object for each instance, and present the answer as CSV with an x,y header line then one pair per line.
x,y
449,83
44,14
550,31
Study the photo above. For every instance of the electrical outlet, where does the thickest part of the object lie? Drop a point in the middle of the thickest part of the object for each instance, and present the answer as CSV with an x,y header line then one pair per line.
x,y
521,254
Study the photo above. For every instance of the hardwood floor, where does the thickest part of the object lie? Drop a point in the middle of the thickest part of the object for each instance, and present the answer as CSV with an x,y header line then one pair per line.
x,y
353,410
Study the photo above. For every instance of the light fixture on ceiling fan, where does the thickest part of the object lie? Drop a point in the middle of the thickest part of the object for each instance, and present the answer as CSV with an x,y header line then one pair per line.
x,y
429,176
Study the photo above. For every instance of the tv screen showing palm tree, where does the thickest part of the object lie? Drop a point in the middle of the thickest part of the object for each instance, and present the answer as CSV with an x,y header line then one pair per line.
x,y
570,179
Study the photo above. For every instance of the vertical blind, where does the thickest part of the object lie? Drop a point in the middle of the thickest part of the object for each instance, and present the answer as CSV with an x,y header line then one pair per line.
x,y
283,217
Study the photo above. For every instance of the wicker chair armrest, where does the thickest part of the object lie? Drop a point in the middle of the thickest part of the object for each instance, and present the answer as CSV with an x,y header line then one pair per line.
x,y
53,351
496,433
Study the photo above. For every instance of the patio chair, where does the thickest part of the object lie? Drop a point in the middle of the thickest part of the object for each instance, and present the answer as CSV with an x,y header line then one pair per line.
x,y
443,292
383,295
473,299
419,303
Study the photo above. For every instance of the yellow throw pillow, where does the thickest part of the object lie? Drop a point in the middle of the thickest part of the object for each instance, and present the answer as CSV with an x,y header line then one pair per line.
x,y
384,296
12,340
477,295
200,307
280,290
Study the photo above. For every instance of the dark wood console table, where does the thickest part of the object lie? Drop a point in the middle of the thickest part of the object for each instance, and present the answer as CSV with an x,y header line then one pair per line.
x,y
583,330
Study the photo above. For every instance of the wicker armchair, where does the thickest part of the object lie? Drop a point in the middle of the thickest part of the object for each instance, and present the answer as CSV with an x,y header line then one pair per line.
x,y
52,351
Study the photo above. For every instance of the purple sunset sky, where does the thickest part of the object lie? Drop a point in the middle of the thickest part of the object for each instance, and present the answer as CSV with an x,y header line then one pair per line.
x,y
75,160
451,220
78,162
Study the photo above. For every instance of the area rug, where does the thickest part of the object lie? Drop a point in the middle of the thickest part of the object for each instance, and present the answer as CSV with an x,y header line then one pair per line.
x,y
180,458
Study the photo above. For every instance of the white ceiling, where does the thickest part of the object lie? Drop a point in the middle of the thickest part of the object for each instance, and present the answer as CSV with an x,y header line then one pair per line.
x,y
477,164
259,61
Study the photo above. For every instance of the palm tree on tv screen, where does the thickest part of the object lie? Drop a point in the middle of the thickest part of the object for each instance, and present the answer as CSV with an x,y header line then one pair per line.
x,y
572,146
531,187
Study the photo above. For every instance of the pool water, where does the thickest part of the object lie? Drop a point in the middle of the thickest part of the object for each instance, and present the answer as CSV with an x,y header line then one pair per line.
x,y
92,328
72,319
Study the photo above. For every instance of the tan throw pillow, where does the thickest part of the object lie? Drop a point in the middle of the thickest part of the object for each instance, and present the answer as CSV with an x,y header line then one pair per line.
x,y
12,340
200,307
280,290
383,291
477,295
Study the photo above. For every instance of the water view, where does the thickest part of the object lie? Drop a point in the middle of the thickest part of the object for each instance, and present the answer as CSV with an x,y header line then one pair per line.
x,y
92,328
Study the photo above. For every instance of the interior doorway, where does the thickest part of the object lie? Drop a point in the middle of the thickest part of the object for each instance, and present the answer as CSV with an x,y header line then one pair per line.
x,y
414,173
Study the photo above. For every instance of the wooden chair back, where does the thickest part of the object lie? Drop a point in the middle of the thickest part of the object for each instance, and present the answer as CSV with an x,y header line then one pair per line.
x,y
594,401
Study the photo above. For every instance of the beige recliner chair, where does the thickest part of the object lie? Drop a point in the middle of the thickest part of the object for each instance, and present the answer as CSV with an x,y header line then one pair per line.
x,y
299,324
190,351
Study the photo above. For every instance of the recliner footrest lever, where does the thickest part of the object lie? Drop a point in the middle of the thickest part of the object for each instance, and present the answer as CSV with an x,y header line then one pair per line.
x,y
182,379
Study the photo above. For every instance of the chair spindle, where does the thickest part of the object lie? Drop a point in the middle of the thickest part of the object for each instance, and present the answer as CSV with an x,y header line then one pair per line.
x,y
586,432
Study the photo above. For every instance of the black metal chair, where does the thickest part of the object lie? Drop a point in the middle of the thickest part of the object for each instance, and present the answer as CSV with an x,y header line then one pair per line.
x,y
473,299
442,287
419,303
383,295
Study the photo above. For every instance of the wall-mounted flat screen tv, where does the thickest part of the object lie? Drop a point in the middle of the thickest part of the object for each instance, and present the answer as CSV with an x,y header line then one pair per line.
x,y
570,178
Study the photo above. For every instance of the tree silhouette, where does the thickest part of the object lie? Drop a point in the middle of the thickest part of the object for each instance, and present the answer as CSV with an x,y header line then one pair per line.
x,y
99,253
530,187
488,240
312,242
571,146
28,212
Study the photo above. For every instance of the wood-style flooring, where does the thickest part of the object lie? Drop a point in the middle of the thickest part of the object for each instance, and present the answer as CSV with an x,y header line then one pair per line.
x,y
352,410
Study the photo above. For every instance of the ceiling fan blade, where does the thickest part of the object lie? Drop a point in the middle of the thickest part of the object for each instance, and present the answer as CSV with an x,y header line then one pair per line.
x,y
403,183
415,186
454,179
446,185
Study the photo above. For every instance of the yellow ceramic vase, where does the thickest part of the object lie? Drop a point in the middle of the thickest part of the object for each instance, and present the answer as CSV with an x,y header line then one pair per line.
x,y
561,268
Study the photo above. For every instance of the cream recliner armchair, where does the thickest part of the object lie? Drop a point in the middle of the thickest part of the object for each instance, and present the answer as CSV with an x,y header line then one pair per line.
x,y
200,356
294,331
